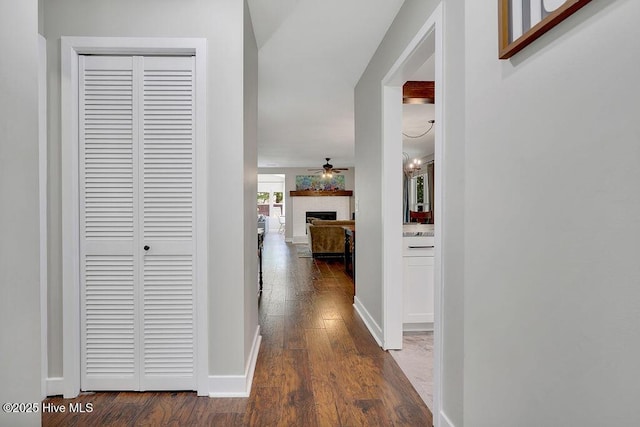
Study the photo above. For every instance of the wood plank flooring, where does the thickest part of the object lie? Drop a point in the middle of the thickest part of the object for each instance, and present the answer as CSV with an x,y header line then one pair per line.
x,y
318,365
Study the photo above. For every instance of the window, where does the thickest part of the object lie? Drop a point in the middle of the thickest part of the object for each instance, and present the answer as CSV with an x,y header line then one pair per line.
x,y
278,205
263,203
418,200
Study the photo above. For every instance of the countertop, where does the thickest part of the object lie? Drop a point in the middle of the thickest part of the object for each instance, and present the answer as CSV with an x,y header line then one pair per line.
x,y
414,230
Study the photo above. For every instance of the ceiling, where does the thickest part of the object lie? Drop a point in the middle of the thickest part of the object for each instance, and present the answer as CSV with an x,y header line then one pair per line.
x,y
311,55
415,117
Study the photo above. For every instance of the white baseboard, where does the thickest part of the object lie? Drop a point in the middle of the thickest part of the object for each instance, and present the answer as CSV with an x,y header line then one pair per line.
x,y
288,240
300,240
418,327
445,421
368,320
219,385
237,385
55,386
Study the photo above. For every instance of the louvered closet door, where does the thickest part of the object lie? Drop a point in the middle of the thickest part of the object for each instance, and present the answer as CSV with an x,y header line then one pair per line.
x,y
167,224
108,222
137,191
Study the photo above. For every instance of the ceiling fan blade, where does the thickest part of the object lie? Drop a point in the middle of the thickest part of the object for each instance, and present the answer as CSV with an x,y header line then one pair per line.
x,y
340,169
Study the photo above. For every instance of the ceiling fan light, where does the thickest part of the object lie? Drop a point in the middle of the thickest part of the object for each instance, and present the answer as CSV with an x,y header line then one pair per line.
x,y
407,100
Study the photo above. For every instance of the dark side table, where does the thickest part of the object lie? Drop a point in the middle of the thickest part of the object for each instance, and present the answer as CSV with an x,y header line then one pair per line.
x,y
260,247
350,250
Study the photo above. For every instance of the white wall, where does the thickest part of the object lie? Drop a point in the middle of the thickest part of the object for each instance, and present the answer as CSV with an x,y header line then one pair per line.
x,y
19,221
231,246
290,184
368,150
552,321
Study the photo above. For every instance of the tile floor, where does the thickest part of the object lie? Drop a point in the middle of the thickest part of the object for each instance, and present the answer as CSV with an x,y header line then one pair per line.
x,y
416,361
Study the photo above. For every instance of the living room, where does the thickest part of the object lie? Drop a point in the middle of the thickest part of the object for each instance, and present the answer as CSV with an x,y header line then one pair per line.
x,y
295,209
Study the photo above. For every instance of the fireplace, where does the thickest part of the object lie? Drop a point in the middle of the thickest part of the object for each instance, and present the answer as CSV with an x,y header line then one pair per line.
x,y
320,215
325,206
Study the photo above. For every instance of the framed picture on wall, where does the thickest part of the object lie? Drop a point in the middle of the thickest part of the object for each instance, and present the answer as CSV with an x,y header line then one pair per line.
x,y
523,21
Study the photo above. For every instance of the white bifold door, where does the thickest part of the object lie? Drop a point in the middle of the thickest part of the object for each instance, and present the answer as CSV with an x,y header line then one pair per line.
x,y
137,225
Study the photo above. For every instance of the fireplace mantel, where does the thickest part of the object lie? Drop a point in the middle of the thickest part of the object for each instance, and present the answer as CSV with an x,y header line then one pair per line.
x,y
313,193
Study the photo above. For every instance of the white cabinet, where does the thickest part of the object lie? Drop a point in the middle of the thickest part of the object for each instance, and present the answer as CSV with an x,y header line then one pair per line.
x,y
418,283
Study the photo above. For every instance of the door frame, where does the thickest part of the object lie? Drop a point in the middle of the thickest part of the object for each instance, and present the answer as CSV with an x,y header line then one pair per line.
x,y
71,48
415,54
42,189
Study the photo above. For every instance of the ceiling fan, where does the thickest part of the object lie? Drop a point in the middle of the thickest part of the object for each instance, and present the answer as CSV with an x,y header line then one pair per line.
x,y
327,169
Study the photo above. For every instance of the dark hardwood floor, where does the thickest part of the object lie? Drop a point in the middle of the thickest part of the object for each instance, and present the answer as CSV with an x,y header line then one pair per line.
x,y
318,365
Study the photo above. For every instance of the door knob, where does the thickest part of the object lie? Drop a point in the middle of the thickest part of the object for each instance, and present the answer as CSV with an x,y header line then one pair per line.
x,y
146,247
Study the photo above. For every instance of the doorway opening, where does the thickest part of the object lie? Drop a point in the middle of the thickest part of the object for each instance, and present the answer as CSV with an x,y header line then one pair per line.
x,y
424,50
271,203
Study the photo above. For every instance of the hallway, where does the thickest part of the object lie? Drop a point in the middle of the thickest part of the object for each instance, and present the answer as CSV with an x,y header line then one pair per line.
x,y
318,365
